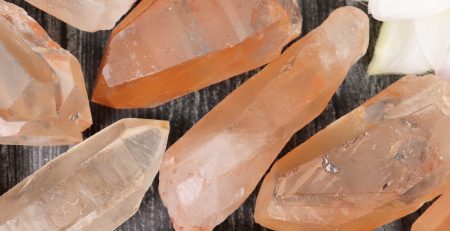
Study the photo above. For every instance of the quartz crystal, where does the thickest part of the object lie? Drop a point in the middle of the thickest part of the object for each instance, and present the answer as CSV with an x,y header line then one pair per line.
x,y
87,15
166,49
96,185
43,100
378,163
215,166
435,218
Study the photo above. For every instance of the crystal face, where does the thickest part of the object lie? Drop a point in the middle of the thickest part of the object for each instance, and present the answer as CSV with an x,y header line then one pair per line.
x,y
96,185
214,167
376,164
43,100
165,49
87,15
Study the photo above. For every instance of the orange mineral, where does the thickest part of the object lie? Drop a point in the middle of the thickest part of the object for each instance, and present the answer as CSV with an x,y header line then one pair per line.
x,y
215,166
376,164
87,15
43,100
167,48
435,218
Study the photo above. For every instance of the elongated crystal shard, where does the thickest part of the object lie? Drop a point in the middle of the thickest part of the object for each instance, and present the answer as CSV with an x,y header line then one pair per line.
x,y
376,164
96,185
165,49
436,217
214,167
43,100
87,15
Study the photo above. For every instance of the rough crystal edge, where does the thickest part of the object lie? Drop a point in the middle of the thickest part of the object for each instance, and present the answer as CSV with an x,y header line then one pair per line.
x,y
332,85
25,27
136,126
265,196
101,85
42,45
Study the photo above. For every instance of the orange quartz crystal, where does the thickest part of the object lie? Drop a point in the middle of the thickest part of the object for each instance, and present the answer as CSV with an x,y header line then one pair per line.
x,y
436,217
215,166
165,49
43,100
376,164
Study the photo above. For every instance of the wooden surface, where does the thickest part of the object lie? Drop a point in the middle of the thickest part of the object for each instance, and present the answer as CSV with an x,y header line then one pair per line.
x,y
16,162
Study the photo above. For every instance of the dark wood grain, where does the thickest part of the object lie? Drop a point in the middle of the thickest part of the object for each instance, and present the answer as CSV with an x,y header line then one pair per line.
x,y
17,162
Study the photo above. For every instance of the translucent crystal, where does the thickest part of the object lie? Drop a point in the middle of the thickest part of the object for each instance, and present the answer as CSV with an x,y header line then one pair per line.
x,y
96,185
43,100
87,15
165,49
376,164
214,167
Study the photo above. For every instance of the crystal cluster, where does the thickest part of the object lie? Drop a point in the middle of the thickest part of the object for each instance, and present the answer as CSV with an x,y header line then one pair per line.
x,y
96,185
165,49
378,163
214,167
43,99
87,15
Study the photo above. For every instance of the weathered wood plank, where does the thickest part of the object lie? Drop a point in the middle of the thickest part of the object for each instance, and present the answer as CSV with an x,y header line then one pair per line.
x,y
16,162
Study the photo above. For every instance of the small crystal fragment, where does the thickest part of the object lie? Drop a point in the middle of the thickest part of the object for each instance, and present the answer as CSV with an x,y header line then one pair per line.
x,y
392,153
436,217
96,185
215,166
165,49
43,100
87,15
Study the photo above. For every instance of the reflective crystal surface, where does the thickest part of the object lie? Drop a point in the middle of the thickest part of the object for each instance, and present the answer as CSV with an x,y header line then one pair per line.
x,y
96,185
376,164
213,168
165,49
43,100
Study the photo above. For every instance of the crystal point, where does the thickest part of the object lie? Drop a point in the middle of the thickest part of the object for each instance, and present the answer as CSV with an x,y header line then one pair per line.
x,y
43,100
96,185
87,15
165,49
215,166
376,164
